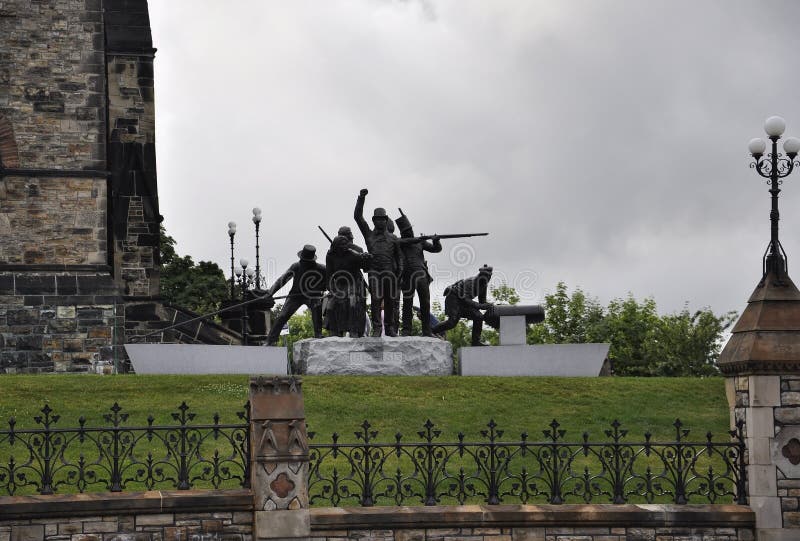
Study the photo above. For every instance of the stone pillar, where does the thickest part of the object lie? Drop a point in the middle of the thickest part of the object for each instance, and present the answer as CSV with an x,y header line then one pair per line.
x,y
762,365
279,455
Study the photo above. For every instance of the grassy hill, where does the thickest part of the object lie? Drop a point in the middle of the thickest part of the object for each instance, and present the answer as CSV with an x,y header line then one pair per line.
x,y
391,404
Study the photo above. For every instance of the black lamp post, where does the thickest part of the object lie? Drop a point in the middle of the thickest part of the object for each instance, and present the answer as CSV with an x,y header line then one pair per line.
x,y
257,222
774,167
231,234
245,277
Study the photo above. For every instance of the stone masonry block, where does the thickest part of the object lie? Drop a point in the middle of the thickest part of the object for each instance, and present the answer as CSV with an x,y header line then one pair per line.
x,y
33,532
762,480
788,415
730,392
99,527
765,391
759,450
767,510
282,524
760,422
528,534
164,519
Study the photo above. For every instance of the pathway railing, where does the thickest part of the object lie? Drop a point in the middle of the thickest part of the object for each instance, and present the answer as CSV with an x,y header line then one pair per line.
x,y
116,457
492,471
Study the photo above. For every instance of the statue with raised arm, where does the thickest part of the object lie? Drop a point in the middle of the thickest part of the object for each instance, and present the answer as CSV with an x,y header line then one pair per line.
x,y
347,309
308,287
415,276
459,301
386,266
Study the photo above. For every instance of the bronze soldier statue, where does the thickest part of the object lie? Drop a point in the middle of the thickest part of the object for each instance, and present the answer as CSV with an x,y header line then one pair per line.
x,y
415,275
308,287
385,268
347,309
459,302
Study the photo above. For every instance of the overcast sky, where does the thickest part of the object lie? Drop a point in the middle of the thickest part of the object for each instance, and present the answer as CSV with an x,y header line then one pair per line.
x,y
602,143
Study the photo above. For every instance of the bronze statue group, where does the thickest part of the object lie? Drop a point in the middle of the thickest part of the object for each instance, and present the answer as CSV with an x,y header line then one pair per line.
x,y
395,268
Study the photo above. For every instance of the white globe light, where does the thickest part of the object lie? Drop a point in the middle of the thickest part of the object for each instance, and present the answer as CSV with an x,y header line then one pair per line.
x,y
792,145
243,262
238,271
757,146
256,211
250,273
232,225
775,126
256,218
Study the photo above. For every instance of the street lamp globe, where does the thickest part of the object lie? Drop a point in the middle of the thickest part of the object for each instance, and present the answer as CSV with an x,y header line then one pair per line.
x,y
757,146
791,145
775,126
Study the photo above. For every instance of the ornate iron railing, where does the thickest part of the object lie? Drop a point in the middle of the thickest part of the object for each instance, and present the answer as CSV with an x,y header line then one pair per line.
x,y
185,455
493,471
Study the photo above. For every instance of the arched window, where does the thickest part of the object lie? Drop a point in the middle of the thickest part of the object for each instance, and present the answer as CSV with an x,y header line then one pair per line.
x,y
9,155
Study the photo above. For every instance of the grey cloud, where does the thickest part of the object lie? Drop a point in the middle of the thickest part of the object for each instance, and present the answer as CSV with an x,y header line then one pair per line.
x,y
601,143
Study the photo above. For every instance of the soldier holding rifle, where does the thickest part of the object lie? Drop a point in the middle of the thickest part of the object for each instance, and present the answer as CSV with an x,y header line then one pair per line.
x,y
415,274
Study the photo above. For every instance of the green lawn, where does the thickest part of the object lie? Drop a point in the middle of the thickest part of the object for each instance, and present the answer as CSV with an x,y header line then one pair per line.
x,y
340,404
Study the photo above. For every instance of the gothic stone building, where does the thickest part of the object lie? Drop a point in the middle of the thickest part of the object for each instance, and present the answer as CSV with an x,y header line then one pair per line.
x,y
79,217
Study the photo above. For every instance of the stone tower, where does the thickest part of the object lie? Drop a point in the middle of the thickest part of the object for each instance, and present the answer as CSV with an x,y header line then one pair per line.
x,y
79,218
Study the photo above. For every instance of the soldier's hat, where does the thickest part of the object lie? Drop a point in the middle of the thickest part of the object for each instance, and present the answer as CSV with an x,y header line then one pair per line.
x,y
403,223
308,253
486,269
344,231
380,212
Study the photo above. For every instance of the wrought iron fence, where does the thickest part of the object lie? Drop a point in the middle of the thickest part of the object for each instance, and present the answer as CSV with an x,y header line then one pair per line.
x,y
492,471
184,455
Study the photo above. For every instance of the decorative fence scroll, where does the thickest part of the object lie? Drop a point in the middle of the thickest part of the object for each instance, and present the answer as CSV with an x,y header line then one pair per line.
x,y
117,457
493,471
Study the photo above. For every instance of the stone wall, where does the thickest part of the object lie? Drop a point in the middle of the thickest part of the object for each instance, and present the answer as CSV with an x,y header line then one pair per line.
x,y
132,162
228,516
78,191
53,221
150,516
51,322
536,523
52,81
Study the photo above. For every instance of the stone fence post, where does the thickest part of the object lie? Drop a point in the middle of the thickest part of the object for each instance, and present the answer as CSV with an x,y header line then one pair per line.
x,y
279,458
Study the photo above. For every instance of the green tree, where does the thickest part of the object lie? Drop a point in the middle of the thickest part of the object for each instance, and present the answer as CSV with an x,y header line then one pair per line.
x,y
643,343
199,288
571,319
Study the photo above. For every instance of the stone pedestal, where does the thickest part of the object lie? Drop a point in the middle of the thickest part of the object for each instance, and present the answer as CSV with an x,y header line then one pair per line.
x,y
385,356
279,454
538,360
205,359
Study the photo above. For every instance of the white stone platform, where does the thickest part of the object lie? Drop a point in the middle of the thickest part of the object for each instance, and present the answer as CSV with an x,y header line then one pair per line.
x,y
203,359
385,356
538,360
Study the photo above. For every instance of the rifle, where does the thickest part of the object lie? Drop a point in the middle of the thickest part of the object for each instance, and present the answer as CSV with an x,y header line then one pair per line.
x,y
326,235
422,238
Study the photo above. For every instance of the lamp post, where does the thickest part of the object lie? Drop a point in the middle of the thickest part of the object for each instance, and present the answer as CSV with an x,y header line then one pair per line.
x,y
245,277
774,167
257,222
231,234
